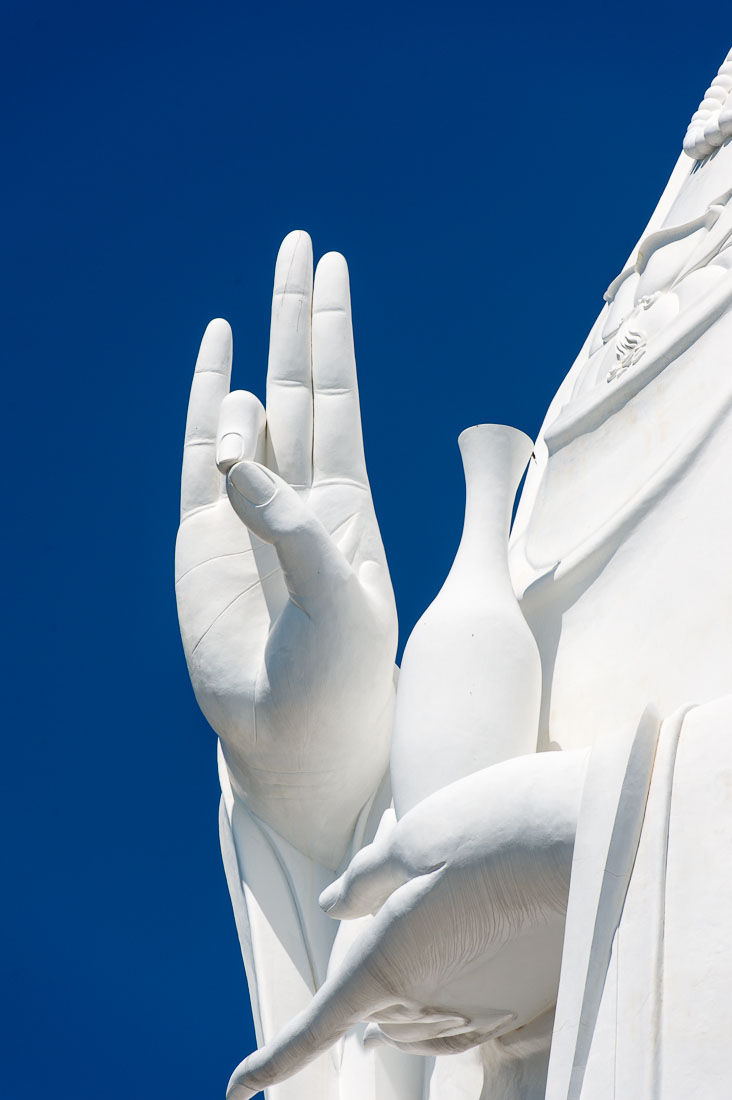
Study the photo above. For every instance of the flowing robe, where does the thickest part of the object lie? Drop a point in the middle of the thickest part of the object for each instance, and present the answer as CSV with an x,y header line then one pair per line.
x,y
621,554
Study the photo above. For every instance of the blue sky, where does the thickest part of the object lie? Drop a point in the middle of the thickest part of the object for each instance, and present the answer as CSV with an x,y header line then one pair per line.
x,y
486,171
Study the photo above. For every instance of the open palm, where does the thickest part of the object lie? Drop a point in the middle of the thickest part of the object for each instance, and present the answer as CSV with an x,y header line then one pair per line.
x,y
284,598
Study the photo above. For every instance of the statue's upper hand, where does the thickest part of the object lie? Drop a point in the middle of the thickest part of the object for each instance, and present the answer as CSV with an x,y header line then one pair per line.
x,y
469,891
284,598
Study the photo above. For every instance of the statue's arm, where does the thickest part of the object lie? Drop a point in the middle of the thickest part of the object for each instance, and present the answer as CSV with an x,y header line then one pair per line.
x,y
289,629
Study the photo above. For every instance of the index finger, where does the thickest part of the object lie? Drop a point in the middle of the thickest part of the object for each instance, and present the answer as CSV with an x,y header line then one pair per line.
x,y
341,1002
364,982
201,482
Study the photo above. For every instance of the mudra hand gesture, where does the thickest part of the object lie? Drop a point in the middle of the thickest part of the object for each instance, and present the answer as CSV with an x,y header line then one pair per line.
x,y
284,597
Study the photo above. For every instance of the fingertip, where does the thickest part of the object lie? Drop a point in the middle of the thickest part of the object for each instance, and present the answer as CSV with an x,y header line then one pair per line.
x,y
331,293
252,482
219,324
332,267
330,897
373,1037
229,451
294,266
237,1091
333,261
297,238
216,348
240,431
218,331
296,245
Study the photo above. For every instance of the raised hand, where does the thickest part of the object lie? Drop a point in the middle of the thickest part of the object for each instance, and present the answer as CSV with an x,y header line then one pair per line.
x,y
284,598
469,891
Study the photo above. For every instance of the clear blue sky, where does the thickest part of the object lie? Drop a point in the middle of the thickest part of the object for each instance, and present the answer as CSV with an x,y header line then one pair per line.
x,y
486,172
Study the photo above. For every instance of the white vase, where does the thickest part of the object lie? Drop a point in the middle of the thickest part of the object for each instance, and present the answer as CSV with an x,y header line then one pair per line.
x,y
470,683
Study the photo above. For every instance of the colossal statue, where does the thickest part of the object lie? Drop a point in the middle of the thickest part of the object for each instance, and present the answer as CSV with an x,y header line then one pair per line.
x,y
505,872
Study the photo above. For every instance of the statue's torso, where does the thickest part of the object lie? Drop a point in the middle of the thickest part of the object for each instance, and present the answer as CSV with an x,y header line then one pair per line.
x,y
623,564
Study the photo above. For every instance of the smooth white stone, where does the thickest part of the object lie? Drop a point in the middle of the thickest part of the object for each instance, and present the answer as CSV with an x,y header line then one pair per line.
x,y
480,884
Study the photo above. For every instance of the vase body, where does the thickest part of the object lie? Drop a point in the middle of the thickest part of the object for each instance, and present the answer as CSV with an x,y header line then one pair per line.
x,y
470,682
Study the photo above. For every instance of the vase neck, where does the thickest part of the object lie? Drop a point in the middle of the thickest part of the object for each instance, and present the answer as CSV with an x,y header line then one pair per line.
x,y
494,459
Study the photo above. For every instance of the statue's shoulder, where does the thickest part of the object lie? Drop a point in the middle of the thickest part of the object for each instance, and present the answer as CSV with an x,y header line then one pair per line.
x,y
651,377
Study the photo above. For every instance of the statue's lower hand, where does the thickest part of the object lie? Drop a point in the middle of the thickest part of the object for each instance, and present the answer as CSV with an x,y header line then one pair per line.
x,y
469,892
284,598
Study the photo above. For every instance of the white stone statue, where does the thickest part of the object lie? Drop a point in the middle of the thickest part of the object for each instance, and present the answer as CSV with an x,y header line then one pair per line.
x,y
511,877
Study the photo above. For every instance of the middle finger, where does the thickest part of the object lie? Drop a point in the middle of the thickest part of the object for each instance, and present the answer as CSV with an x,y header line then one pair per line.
x,y
289,378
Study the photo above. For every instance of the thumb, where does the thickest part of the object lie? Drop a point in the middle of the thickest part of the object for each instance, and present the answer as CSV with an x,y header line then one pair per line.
x,y
371,877
272,510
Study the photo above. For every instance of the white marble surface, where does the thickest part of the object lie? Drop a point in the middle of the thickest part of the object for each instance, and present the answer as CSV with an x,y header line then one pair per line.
x,y
470,679
461,855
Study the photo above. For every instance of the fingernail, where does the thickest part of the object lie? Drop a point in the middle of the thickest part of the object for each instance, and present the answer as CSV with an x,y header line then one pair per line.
x,y
240,1092
253,483
328,898
229,451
